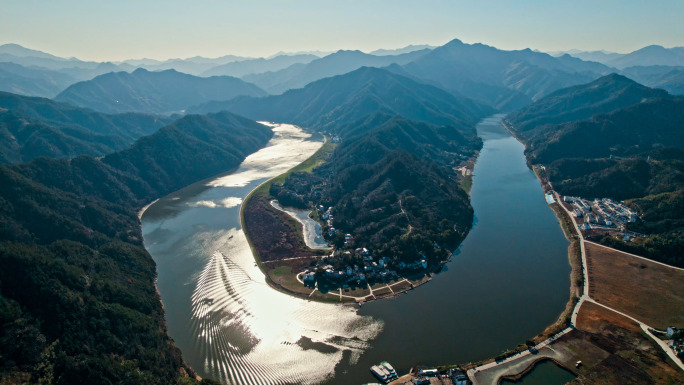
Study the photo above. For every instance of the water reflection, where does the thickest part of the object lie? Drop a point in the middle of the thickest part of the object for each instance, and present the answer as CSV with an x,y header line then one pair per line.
x,y
507,281
228,322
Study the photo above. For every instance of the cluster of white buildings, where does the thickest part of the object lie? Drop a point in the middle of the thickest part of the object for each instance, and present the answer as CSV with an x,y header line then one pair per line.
x,y
328,218
601,213
372,269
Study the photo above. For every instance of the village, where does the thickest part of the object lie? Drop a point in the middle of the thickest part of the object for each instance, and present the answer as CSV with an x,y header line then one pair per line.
x,y
602,216
350,266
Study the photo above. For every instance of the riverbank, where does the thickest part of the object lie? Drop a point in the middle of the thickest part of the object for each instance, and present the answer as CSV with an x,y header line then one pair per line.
x,y
229,322
515,363
572,344
147,206
563,322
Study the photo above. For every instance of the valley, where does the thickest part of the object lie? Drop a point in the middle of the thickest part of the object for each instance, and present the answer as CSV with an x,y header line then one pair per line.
x,y
288,202
174,228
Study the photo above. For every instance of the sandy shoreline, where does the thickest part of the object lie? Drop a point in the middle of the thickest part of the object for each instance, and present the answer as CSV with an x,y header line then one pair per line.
x,y
305,229
142,210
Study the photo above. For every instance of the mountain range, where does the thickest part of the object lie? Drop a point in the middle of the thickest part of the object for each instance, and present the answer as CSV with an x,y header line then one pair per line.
x,y
669,78
340,62
615,139
77,287
33,127
162,92
603,95
333,103
646,56
29,81
506,80
77,294
260,65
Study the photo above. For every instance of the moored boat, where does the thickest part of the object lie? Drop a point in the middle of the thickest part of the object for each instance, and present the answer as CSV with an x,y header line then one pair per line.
x,y
389,369
381,373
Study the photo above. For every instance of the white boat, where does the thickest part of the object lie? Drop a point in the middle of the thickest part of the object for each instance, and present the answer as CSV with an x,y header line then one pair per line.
x,y
380,372
389,369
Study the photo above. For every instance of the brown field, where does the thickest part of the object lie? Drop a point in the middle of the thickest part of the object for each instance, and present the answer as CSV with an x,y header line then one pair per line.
x,y
647,291
593,318
614,350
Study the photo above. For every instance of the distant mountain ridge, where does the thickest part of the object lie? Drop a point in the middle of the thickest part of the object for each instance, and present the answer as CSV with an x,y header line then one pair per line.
x,y
20,51
18,79
332,104
647,56
33,127
506,80
669,78
580,102
398,51
153,92
338,63
257,66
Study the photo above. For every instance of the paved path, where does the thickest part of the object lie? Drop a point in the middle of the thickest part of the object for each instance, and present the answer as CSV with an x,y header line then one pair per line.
x,y
363,298
583,253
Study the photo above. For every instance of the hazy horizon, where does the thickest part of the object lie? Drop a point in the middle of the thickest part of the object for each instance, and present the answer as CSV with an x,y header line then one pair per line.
x,y
163,30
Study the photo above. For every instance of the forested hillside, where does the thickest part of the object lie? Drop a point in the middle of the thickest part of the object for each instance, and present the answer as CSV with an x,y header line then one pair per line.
x,y
33,127
153,92
77,296
614,138
506,80
333,104
392,188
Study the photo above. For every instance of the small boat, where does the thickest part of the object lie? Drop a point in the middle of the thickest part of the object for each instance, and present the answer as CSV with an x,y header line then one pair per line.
x,y
381,373
389,369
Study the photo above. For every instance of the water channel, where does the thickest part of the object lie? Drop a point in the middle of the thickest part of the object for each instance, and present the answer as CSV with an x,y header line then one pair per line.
x,y
507,281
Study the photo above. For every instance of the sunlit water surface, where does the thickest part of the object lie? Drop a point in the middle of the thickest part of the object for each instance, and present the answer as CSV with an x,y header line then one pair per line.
x,y
228,322
507,281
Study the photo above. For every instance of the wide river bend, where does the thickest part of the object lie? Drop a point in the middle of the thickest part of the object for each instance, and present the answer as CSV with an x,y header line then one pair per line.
x,y
506,283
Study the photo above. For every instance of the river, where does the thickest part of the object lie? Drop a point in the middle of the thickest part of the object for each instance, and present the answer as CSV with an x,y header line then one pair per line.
x,y
507,281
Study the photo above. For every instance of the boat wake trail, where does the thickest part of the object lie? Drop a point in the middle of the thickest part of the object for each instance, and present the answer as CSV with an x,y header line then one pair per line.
x,y
252,334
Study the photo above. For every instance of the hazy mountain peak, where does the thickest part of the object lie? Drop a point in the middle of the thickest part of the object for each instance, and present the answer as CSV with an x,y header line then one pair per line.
x,y
163,92
407,49
20,51
652,47
454,42
349,52
613,77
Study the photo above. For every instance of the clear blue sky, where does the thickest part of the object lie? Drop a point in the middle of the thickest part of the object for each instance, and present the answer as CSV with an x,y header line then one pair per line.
x,y
160,29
